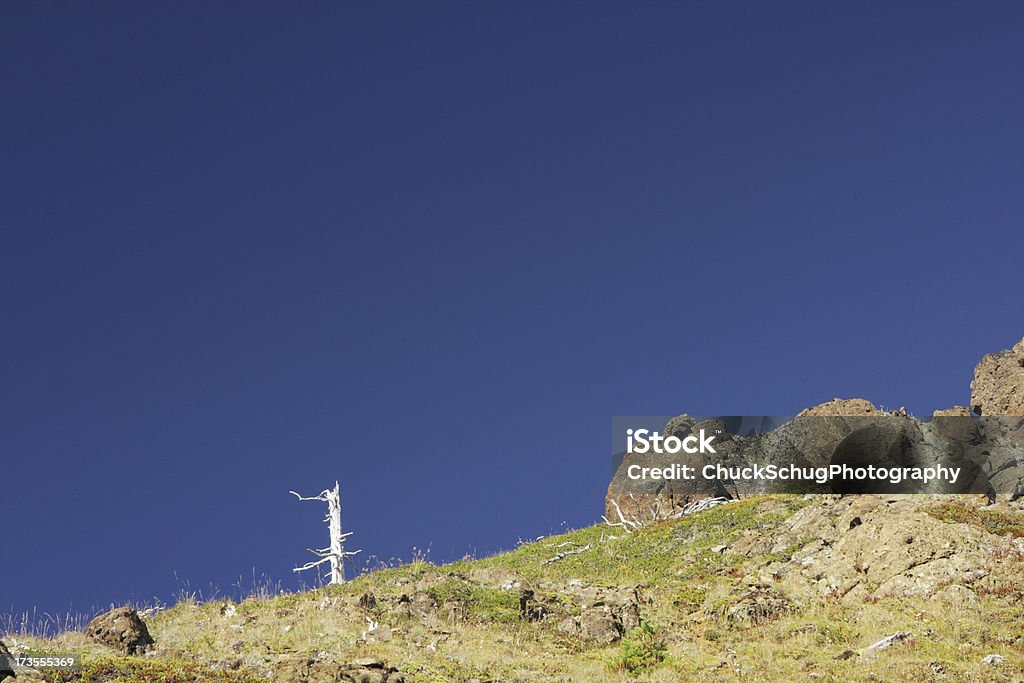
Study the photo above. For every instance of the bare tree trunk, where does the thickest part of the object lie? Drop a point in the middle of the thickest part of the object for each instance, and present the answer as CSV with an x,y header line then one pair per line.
x,y
337,542
335,553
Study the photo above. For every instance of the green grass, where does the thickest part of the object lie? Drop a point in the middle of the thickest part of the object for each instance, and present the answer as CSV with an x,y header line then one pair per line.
x,y
479,603
653,556
992,521
132,670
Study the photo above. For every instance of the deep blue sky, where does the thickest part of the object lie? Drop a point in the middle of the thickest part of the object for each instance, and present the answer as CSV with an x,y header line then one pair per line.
x,y
429,249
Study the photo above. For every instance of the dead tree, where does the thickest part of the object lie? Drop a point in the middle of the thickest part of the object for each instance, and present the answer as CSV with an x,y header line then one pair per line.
x,y
335,553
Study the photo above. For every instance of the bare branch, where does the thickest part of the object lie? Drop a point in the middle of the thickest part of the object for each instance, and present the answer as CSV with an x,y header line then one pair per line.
x,y
310,565
322,496
566,553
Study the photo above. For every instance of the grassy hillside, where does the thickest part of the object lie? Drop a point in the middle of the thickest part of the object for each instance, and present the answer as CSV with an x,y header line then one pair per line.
x,y
764,589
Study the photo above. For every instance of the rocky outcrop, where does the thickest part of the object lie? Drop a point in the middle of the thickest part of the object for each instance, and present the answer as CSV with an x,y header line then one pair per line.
x,y
596,625
869,547
322,669
121,629
633,498
955,411
842,407
989,455
998,384
606,614
749,606
990,451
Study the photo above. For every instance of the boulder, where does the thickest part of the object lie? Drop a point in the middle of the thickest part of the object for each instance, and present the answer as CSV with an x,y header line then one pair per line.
x,y
121,629
998,384
599,625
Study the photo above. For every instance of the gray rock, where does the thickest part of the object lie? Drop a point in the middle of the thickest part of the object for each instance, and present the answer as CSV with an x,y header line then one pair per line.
x,y
302,669
598,625
570,626
6,670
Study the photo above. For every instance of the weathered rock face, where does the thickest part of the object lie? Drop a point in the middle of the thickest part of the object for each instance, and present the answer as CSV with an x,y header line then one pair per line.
x,y
606,614
842,407
872,547
121,629
751,606
301,669
998,385
955,411
595,625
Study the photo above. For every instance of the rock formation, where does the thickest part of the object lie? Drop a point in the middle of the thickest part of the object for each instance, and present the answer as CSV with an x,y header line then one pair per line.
x,y
998,385
842,407
989,449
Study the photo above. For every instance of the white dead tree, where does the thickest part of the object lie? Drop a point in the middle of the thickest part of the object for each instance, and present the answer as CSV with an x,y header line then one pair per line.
x,y
335,553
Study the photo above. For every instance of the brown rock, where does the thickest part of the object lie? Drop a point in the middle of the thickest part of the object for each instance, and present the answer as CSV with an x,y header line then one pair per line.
x,y
368,601
842,407
998,384
955,411
423,605
121,629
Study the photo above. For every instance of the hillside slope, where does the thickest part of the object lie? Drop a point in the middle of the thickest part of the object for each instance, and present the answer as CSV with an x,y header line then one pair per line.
x,y
763,589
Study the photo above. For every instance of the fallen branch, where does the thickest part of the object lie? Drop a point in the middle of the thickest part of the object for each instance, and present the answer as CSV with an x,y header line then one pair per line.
x,y
701,505
566,553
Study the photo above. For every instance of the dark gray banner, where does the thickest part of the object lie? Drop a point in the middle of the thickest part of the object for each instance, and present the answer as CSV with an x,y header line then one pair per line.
x,y
686,458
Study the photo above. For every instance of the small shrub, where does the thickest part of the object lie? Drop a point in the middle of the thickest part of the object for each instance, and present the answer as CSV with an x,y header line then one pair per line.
x,y
641,650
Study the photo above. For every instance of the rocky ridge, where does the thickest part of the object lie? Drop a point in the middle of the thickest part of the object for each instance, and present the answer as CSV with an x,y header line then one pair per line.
x,y
852,430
